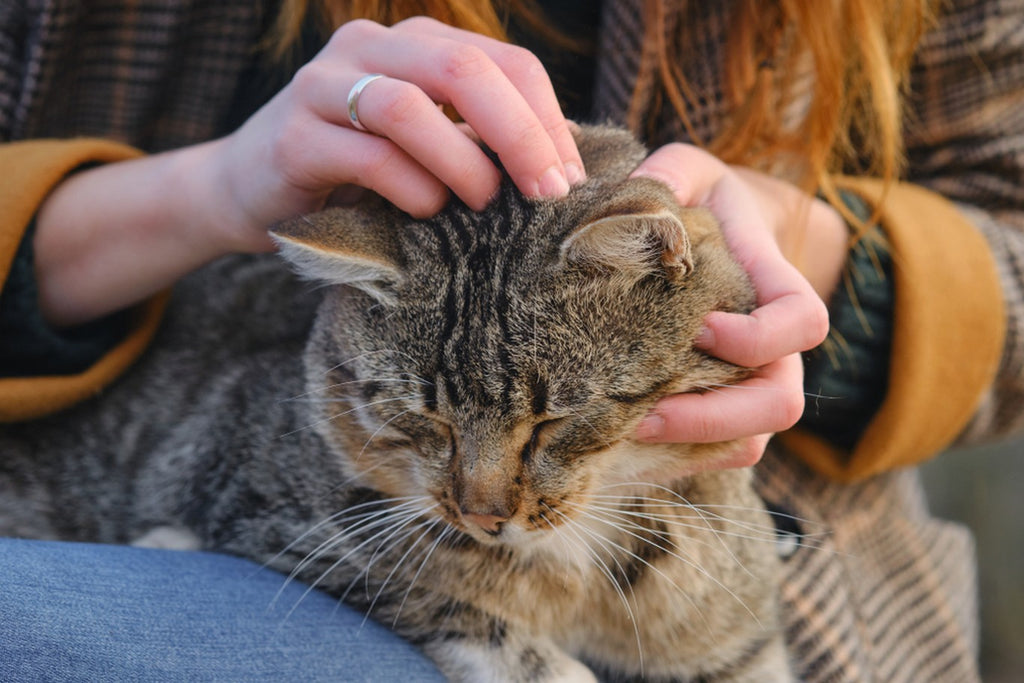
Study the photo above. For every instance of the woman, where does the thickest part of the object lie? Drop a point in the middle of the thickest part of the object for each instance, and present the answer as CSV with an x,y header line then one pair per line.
x,y
770,88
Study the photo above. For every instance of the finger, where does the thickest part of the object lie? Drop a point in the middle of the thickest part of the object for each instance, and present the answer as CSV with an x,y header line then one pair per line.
x,y
782,327
790,317
771,400
464,75
529,77
689,171
747,454
402,113
311,157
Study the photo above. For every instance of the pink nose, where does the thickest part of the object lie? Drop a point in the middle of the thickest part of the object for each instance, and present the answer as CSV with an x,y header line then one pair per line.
x,y
489,523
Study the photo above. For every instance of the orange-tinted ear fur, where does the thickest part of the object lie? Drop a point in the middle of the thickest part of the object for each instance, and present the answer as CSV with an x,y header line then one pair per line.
x,y
342,246
639,231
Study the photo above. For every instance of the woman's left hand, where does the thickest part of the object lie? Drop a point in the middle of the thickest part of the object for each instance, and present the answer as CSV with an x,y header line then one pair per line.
x,y
769,225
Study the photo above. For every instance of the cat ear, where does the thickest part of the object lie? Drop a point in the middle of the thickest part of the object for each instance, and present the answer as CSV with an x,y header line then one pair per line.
x,y
342,246
639,232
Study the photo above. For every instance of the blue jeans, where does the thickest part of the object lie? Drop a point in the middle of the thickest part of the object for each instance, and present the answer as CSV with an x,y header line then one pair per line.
x,y
80,612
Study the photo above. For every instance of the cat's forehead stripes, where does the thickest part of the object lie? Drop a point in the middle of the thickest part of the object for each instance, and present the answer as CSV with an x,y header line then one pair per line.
x,y
539,388
478,301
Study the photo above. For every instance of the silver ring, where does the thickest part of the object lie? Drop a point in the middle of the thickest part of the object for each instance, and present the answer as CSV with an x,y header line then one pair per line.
x,y
353,99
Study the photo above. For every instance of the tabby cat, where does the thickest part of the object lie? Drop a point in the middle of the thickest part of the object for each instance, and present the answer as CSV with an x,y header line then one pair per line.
x,y
445,423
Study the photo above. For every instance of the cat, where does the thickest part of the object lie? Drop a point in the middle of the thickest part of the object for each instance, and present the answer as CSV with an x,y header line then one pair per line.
x,y
439,432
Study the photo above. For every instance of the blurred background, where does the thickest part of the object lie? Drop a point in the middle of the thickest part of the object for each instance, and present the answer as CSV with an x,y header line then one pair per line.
x,y
984,489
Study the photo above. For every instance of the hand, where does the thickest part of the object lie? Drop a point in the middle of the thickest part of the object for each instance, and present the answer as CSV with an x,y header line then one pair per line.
x,y
113,235
758,215
290,155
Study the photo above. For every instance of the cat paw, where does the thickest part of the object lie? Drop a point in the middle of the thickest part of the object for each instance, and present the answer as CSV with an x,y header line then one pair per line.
x,y
168,538
532,662
572,671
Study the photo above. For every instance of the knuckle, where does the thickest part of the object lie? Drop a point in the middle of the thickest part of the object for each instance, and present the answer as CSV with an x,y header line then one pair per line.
x,y
701,430
791,409
309,79
373,164
430,204
399,103
818,327
748,453
417,23
355,31
466,61
523,135
519,63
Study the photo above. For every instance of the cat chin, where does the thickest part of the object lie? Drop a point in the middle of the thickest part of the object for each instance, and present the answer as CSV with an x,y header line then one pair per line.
x,y
526,543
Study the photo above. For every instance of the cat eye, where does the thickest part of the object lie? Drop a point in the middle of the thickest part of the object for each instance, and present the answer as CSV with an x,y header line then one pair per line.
x,y
531,446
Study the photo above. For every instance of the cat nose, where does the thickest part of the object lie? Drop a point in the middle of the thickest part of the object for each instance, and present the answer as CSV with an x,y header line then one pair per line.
x,y
490,523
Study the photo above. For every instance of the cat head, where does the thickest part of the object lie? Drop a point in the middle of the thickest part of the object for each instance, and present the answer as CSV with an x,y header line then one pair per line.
x,y
498,362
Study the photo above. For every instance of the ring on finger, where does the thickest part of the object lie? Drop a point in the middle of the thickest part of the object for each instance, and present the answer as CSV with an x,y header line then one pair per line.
x,y
353,100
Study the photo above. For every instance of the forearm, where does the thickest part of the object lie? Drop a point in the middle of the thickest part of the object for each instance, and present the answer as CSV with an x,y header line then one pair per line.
x,y
111,236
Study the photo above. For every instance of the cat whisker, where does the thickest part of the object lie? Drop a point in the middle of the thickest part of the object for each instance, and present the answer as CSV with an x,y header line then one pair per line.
x,y
706,526
328,387
756,532
389,542
445,533
705,511
355,477
585,512
362,522
620,517
714,386
571,525
395,522
627,518
585,421
339,515
353,359
382,401
378,431
424,529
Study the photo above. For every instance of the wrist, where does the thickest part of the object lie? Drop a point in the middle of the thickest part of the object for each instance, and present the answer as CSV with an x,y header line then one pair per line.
x,y
214,218
818,246
110,236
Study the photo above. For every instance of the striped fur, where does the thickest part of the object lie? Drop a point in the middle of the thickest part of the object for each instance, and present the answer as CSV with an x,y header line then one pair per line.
x,y
47,89
451,453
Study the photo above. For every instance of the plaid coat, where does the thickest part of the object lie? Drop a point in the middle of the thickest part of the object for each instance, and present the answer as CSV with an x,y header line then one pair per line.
x,y
888,594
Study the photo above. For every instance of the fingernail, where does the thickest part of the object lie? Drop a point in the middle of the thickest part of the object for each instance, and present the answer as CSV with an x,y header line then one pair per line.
x,y
574,172
706,338
553,183
651,427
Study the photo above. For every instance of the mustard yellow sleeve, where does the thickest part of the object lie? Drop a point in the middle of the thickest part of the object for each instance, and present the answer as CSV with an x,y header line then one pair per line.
x,y
33,169
948,335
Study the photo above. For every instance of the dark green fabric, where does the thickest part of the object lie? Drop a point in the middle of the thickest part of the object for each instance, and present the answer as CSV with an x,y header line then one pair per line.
x,y
846,378
29,346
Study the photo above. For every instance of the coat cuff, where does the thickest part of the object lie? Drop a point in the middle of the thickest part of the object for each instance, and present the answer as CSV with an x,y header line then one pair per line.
x,y
34,168
948,334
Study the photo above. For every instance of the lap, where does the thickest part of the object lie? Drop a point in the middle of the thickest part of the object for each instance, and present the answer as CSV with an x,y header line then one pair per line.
x,y
94,612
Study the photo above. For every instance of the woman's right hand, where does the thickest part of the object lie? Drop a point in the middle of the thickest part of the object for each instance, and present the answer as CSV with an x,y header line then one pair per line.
x,y
301,145
110,236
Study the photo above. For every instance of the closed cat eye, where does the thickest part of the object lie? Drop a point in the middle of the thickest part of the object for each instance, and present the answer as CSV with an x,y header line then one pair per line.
x,y
531,445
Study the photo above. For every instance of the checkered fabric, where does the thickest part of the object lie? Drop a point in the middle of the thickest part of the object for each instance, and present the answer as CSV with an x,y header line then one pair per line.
x,y
155,74
885,593
888,594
